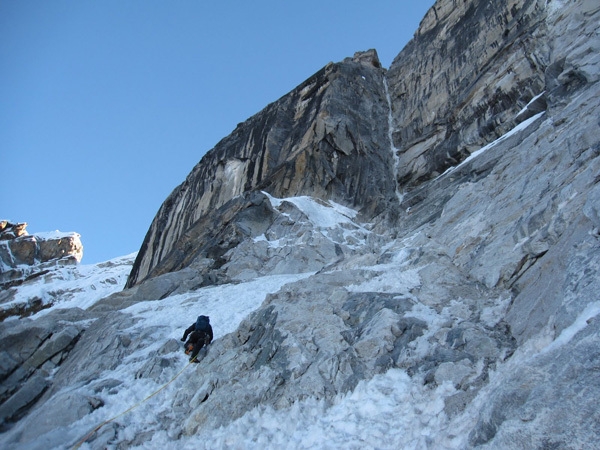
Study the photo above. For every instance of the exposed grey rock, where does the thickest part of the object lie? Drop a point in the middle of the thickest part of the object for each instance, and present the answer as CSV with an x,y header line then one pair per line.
x,y
57,343
482,287
547,403
460,82
17,404
155,366
7,364
31,350
327,138
67,408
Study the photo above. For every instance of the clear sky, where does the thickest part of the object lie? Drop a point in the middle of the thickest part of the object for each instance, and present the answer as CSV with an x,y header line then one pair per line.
x,y
107,105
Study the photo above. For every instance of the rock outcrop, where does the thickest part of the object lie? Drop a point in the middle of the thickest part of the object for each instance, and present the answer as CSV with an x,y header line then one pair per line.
x,y
328,138
25,257
22,254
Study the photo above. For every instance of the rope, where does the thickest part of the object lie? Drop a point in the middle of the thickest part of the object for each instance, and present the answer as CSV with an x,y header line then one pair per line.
x,y
87,436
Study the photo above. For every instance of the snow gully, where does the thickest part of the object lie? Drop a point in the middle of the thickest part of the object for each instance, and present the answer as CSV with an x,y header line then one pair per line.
x,y
393,149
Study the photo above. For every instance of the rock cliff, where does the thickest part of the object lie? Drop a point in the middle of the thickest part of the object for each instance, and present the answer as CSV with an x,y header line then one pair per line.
x,y
24,257
439,225
463,79
327,138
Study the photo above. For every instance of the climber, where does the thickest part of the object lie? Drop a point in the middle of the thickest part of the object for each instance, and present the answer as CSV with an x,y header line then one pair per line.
x,y
200,335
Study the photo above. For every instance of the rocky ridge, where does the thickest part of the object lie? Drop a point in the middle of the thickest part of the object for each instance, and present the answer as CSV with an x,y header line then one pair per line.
x,y
327,139
472,270
24,257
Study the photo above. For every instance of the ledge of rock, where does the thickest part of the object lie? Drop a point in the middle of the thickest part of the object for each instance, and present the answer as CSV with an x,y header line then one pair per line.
x,y
23,256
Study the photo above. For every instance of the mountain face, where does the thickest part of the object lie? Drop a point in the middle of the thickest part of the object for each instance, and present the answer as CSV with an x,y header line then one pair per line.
x,y
328,138
420,241
461,82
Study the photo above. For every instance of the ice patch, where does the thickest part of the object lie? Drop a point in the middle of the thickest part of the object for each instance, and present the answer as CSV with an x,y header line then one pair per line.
x,y
393,148
482,150
323,214
591,311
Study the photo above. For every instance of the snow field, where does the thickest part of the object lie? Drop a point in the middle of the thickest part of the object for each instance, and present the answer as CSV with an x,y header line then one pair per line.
x,y
76,286
226,305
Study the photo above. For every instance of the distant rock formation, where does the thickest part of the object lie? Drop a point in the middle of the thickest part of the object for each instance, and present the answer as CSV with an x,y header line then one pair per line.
x,y
12,230
18,247
24,256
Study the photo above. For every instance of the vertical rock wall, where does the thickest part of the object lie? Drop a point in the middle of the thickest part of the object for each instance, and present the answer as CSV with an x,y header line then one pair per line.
x,y
327,138
462,80
473,71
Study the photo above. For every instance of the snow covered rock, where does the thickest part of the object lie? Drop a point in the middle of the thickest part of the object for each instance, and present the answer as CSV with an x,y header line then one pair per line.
x,y
19,248
24,256
10,230
62,284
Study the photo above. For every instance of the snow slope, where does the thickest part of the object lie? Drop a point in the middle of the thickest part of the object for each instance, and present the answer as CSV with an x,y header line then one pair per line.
x,y
73,286
390,411
387,412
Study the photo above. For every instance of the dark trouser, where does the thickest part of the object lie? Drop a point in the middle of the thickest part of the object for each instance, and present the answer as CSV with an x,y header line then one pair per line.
x,y
197,340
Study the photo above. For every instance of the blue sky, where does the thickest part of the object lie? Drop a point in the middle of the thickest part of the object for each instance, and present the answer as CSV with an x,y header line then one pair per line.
x,y
106,106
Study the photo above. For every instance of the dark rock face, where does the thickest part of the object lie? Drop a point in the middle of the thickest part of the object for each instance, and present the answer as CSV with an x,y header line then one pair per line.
x,y
327,138
470,68
245,216
471,73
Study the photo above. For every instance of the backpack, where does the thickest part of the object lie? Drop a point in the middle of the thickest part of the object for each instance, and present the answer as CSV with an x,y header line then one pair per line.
x,y
203,324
